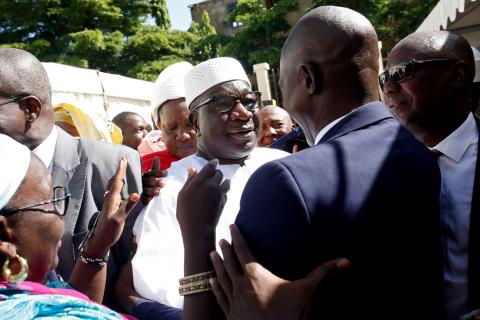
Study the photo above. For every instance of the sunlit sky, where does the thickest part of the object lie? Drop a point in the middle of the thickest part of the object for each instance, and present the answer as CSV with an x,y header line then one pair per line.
x,y
180,16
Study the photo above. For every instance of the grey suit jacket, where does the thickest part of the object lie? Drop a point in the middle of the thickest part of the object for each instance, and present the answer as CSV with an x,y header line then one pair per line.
x,y
84,166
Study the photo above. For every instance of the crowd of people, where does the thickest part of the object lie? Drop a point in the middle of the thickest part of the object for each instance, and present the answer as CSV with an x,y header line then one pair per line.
x,y
336,206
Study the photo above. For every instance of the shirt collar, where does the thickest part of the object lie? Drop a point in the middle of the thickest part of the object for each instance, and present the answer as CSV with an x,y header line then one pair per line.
x,y
328,127
455,145
46,149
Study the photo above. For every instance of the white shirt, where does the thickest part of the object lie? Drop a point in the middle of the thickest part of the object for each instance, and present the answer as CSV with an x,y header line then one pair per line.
x,y
327,128
46,149
457,166
158,262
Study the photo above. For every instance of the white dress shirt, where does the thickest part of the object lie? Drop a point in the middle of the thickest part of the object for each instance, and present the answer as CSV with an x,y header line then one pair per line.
x,y
457,166
46,149
158,262
327,128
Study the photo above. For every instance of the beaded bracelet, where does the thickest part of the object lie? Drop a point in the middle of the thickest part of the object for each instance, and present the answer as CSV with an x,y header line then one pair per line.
x,y
196,277
196,287
195,283
99,262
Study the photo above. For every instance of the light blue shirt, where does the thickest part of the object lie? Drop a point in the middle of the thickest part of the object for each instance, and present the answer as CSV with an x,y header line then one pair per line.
x,y
457,166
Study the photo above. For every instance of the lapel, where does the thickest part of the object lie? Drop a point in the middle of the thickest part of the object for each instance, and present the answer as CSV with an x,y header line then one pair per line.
x,y
68,169
361,117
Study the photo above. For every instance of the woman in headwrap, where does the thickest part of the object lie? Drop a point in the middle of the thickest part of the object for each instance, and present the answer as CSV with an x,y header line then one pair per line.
x,y
77,123
31,229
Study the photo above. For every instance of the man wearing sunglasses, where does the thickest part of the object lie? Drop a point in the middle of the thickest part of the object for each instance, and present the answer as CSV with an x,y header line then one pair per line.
x,y
427,86
223,107
84,166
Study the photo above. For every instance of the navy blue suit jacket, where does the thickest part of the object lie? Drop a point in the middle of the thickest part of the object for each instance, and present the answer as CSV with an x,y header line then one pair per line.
x,y
368,191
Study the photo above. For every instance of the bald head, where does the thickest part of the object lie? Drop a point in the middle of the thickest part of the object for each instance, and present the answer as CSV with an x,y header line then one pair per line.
x,y
22,74
334,35
275,122
328,67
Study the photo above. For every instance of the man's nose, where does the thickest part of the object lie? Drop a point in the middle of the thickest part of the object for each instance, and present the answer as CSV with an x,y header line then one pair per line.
x,y
240,112
183,136
271,132
390,86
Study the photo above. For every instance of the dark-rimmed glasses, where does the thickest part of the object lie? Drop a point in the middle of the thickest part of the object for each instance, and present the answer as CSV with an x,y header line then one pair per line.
x,y
404,71
15,99
60,204
225,103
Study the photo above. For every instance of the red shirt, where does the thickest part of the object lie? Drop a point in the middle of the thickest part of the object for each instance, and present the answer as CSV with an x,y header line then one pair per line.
x,y
166,160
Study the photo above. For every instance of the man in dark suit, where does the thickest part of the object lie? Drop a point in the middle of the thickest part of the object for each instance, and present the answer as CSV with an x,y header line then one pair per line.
x,y
83,166
428,85
366,190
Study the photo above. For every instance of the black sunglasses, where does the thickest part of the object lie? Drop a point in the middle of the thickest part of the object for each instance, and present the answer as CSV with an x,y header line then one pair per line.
x,y
404,71
225,103
13,100
60,204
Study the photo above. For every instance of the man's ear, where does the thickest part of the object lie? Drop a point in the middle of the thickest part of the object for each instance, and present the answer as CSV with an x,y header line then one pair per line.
x,y
311,78
32,108
193,118
460,74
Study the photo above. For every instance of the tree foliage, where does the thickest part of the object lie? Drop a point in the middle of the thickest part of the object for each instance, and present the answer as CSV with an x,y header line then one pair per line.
x,y
133,37
263,34
130,37
392,19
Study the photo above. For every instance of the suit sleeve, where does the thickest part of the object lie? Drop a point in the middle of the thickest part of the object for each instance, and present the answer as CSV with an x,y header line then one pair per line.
x,y
274,220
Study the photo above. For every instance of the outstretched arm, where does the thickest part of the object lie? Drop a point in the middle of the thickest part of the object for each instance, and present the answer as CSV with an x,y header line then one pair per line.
x,y
90,278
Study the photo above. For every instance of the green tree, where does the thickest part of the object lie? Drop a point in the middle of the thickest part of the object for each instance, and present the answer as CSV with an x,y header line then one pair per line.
x,y
205,43
392,19
263,33
86,33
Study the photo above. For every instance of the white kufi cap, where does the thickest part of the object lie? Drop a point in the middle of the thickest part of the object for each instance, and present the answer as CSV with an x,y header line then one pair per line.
x,y
14,164
169,85
210,73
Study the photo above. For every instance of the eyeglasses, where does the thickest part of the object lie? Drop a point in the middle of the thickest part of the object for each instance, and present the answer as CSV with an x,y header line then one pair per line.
x,y
60,204
404,71
12,100
225,103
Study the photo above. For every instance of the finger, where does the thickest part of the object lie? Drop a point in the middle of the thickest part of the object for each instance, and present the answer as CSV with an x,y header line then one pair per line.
x,y
217,177
161,173
117,179
295,148
152,182
155,164
132,199
225,186
209,169
319,273
222,277
230,261
192,172
112,196
240,246
220,296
